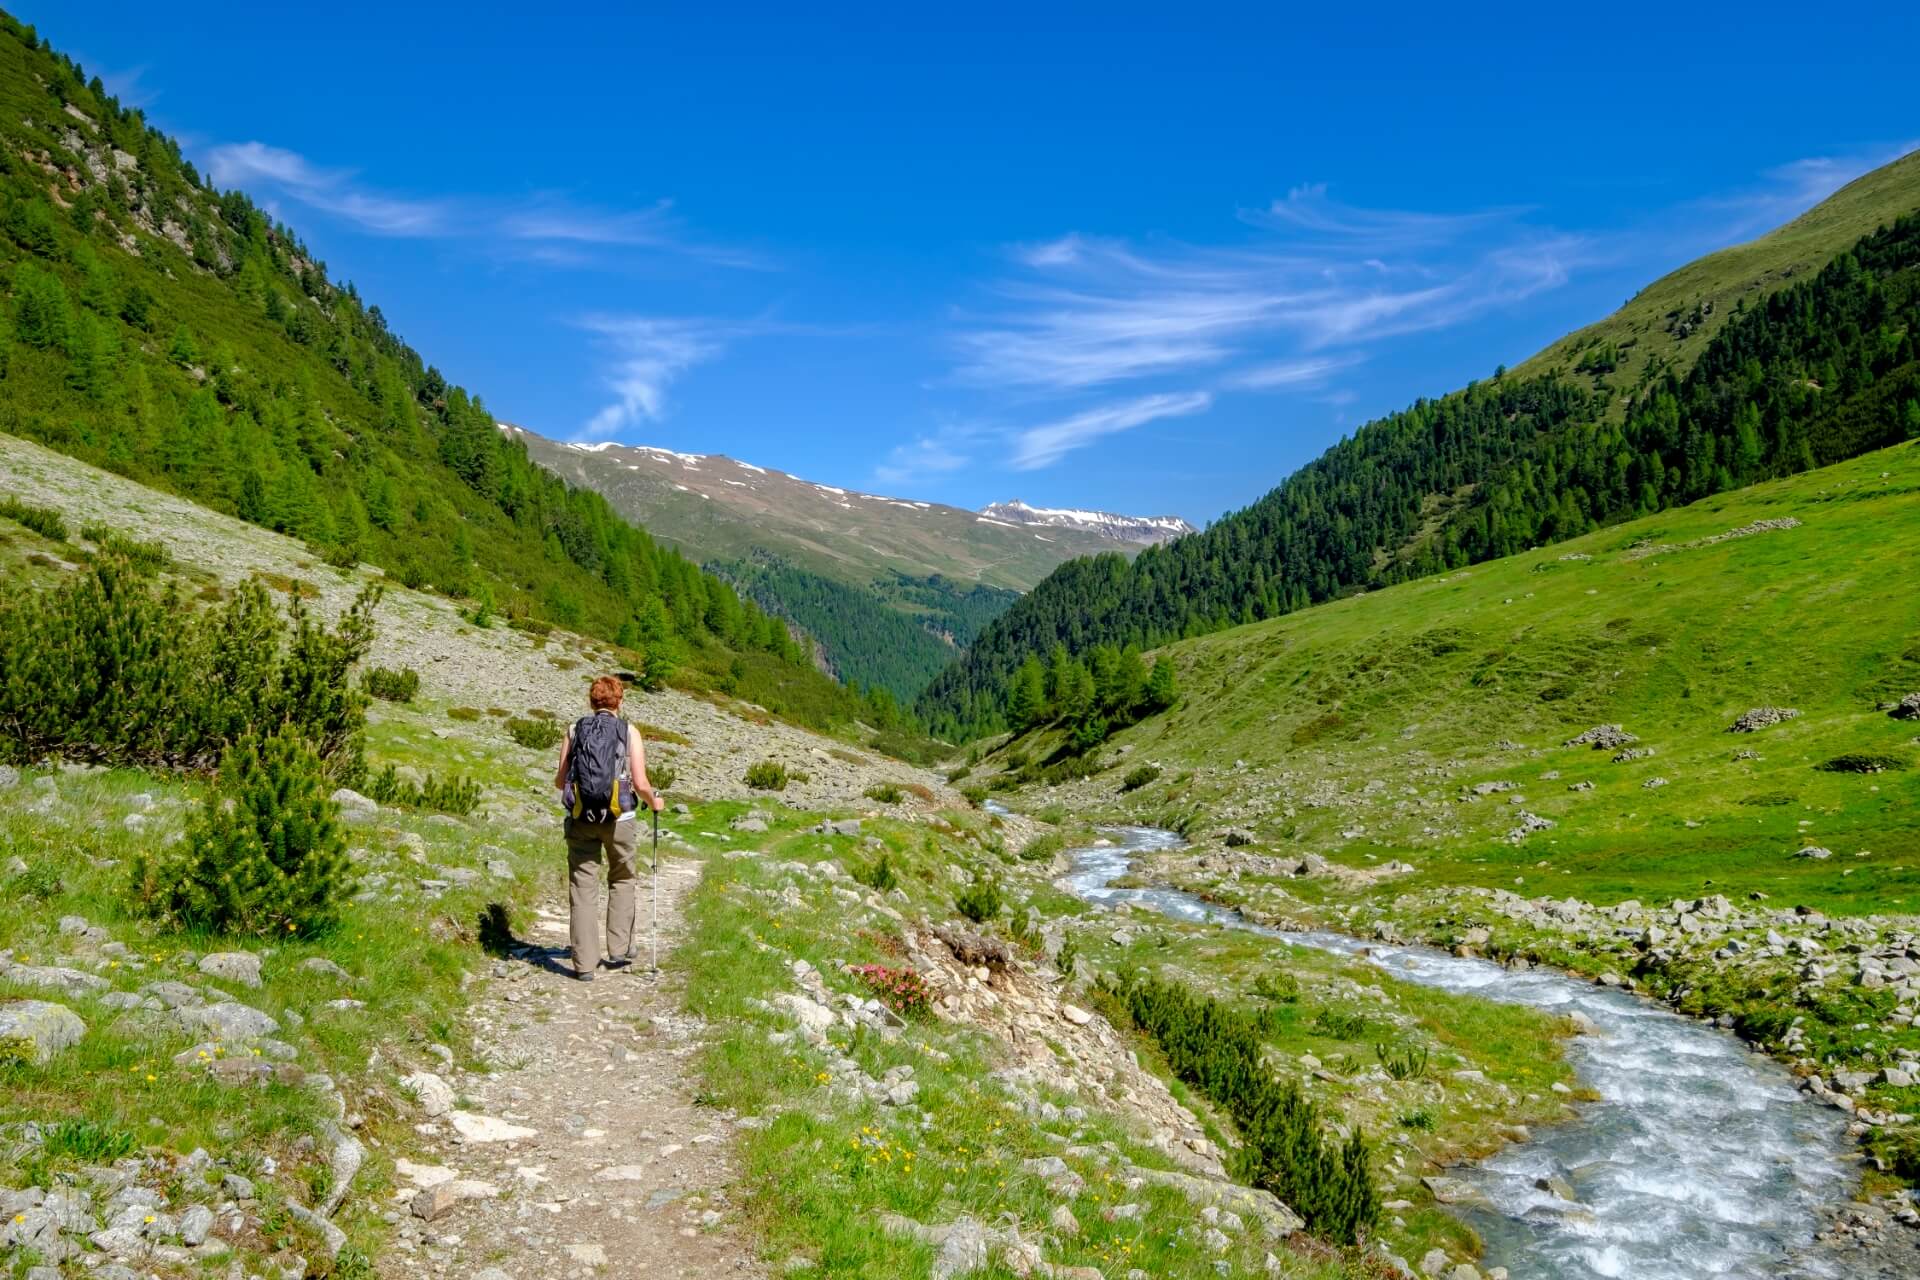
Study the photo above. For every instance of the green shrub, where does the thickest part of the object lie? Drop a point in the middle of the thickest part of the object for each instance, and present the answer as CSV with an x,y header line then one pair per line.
x,y
1043,847
537,734
767,775
1068,957
975,796
44,521
1139,776
879,876
661,774
455,794
1339,1025
1403,1063
263,856
1863,762
1277,986
1897,1148
1419,1118
389,685
885,793
1283,1146
979,901
954,775
112,667
148,556
465,714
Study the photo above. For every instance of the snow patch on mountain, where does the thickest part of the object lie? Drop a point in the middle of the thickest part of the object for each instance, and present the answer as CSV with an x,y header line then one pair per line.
x,y
1121,528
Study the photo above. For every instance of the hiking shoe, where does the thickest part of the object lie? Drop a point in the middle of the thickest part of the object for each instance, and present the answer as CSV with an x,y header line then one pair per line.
x,y
584,975
619,962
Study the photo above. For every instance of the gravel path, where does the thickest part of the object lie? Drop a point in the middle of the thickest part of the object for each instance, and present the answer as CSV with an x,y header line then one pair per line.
x,y
581,1152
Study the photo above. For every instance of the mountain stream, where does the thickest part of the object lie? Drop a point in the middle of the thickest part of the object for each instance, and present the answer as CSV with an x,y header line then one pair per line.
x,y
1700,1159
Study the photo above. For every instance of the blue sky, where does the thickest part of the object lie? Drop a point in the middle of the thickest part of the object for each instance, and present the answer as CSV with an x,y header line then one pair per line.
x,y
1143,258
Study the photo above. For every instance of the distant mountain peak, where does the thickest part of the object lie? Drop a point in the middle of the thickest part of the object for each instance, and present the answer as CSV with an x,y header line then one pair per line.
x,y
1106,524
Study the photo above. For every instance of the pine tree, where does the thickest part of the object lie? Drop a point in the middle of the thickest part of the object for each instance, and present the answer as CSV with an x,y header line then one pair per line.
x,y
264,855
1027,700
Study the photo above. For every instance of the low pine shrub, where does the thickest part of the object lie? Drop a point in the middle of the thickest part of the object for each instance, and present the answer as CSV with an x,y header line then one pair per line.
x,y
902,990
884,793
975,796
456,795
537,734
1139,776
1284,1146
879,876
979,901
661,774
1277,986
44,521
1419,1118
263,856
389,685
766,775
150,557
467,714
114,667
1068,956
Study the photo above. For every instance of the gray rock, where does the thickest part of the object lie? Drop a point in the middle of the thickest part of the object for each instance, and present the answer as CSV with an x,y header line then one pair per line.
x,y
53,978
242,967
320,964
229,1021
352,801
1602,737
237,1185
1908,708
9,776
195,1224
434,1095
1761,718
174,995
44,1026
752,826
1815,853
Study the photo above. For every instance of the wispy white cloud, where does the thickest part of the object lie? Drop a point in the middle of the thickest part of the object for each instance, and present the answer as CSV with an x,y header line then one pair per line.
x,y
1042,446
1783,193
548,227
1309,210
256,165
934,454
1280,375
646,355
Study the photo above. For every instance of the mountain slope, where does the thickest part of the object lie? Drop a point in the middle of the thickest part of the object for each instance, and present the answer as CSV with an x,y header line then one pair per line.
x,y
716,508
1812,374
182,337
1666,325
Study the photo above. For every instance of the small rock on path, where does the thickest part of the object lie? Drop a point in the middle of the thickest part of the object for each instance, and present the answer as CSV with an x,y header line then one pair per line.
x,y
611,1170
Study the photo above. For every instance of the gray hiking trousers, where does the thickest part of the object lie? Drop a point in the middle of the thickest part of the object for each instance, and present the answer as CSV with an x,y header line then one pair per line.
x,y
587,842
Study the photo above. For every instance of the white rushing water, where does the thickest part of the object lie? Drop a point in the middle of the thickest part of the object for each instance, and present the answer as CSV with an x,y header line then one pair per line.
x,y
1700,1159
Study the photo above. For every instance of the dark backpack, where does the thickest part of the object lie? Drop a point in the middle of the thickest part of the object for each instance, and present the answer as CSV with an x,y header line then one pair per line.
x,y
599,788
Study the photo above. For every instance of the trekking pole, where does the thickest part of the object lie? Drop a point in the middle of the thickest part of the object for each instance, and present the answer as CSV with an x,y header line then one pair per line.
x,y
653,929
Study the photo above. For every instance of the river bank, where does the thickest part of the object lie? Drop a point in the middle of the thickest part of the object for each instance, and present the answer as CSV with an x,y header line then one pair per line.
x,y
1693,1156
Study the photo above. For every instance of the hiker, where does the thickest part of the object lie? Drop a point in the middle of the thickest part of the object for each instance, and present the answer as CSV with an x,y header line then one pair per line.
x,y
603,767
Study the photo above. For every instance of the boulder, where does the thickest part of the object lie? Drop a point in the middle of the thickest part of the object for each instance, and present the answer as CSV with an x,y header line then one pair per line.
x,y
228,1021
1908,708
434,1095
1603,737
1761,718
41,1026
242,967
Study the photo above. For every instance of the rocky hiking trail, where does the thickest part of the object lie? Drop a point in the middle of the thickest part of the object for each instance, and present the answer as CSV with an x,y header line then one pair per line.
x,y
580,1151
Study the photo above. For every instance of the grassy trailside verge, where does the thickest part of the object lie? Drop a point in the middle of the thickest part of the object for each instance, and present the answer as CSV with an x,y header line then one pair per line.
x,y
825,1159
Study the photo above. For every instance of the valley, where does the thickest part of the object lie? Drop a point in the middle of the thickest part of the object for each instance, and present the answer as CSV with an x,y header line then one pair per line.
x,y
1492,854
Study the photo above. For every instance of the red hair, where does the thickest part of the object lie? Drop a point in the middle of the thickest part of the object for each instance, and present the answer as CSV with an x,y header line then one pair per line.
x,y
606,693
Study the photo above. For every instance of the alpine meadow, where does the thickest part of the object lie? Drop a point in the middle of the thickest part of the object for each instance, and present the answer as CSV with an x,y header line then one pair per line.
x,y
1427,789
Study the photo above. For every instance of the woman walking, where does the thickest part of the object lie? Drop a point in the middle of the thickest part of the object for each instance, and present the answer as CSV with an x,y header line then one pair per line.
x,y
601,778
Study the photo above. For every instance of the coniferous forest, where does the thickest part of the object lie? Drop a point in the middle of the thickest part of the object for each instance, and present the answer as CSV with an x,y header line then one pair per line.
x,y
180,336
1816,373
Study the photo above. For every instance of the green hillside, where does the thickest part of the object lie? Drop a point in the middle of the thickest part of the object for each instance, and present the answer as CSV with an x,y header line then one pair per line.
x,y
896,633
1668,324
1806,375
179,336
1358,729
